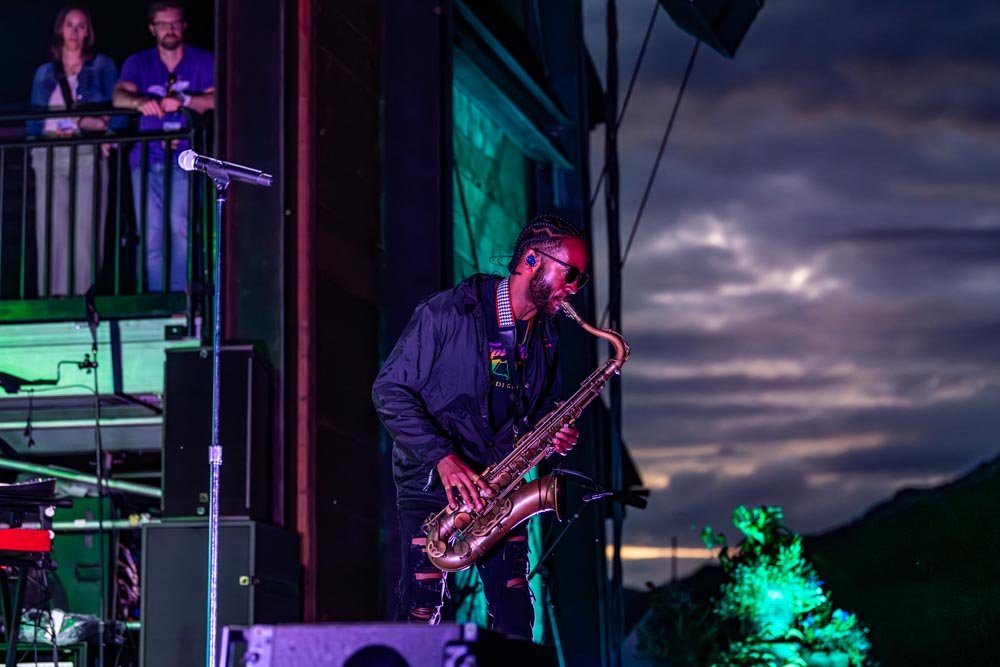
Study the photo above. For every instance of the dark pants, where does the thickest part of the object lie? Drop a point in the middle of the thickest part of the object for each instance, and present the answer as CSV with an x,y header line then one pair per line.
x,y
503,571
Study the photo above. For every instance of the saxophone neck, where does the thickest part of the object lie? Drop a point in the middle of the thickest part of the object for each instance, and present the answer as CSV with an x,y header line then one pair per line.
x,y
613,337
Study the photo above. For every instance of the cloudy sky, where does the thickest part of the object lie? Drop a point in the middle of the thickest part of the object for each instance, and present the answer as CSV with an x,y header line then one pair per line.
x,y
813,300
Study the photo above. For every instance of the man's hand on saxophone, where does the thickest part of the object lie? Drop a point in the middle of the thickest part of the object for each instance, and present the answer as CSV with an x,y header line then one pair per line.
x,y
456,474
565,439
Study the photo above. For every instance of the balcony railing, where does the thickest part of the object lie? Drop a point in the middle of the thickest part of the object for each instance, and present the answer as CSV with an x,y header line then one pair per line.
x,y
74,214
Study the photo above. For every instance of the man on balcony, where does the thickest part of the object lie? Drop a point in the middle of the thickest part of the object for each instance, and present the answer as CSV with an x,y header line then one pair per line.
x,y
160,83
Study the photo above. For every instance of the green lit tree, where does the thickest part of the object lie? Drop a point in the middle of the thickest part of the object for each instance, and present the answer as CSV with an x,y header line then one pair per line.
x,y
784,616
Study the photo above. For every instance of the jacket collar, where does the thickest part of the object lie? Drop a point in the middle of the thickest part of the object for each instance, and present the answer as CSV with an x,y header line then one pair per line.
x,y
467,295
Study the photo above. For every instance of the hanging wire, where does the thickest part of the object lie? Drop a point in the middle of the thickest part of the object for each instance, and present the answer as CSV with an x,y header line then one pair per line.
x,y
628,94
663,146
656,164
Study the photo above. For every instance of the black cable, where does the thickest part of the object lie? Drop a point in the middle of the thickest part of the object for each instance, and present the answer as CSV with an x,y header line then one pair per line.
x,y
101,501
93,323
584,480
28,430
42,390
101,496
663,146
548,551
55,630
39,580
656,163
628,94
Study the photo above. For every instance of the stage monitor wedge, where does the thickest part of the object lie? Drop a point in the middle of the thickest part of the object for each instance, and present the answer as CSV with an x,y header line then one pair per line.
x,y
382,645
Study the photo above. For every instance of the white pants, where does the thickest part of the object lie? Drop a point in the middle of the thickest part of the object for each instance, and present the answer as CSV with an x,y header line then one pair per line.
x,y
85,262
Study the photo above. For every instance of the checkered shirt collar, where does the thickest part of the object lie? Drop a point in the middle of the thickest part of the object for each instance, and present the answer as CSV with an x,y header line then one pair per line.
x,y
505,316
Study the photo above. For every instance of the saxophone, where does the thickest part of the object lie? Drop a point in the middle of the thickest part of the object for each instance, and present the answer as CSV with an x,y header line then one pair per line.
x,y
458,538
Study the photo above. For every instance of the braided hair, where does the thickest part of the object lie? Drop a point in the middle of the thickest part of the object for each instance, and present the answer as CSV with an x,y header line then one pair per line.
x,y
544,231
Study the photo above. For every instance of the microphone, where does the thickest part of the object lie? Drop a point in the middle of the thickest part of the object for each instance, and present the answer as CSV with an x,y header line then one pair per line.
x,y
12,384
221,170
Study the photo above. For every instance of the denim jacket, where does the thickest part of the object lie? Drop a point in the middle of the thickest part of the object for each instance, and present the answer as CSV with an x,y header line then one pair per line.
x,y
96,81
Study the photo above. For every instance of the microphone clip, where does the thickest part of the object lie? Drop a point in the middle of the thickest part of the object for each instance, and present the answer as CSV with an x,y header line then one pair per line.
x,y
637,498
88,364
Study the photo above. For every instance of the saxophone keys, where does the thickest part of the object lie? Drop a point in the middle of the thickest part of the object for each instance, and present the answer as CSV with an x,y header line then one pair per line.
x,y
436,548
462,520
461,548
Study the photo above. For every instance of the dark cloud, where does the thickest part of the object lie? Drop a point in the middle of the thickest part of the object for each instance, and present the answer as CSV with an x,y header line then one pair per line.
x,y
959,425
812,297
698,268
941,245
698,386
901,459
902,61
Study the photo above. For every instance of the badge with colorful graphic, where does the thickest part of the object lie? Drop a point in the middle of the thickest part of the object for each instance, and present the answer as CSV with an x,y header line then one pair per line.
x,y
499,368
498,362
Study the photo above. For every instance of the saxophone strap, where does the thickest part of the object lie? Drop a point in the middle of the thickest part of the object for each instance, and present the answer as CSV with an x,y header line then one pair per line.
x,y
508,338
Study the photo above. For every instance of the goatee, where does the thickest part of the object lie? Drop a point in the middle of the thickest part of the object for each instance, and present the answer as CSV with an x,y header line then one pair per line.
x,y
540,293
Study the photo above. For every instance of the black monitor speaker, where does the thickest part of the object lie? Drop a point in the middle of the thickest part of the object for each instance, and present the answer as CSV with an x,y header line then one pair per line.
x,y
245,428
259,582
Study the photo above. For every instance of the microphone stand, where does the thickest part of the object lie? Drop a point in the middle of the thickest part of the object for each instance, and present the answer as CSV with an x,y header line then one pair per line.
x,y
221,180
221,175
635,498
90,365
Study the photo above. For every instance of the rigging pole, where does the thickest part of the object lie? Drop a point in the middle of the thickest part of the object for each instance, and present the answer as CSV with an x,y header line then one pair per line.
x,y
616,607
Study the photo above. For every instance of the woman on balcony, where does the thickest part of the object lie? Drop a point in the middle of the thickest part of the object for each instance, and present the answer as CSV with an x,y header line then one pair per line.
x,y
69,248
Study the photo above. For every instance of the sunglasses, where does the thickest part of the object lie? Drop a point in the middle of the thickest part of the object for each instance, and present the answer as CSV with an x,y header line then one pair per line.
x,y
573,274
165,25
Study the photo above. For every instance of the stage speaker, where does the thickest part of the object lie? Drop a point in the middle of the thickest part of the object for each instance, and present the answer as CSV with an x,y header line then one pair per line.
x,y
384,645
722,24
244,432
258,583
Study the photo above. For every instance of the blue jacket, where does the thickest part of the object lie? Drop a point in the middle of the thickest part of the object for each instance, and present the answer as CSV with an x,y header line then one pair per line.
x,y
96,82
433,392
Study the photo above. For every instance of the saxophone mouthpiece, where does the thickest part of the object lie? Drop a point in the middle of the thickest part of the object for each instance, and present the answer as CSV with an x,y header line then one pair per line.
x,y
569,312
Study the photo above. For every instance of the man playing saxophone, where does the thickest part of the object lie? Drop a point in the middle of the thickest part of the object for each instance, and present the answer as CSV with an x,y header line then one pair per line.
x,y
473,370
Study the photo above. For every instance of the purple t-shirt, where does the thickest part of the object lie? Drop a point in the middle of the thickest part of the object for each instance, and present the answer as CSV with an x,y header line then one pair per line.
x,y
194,74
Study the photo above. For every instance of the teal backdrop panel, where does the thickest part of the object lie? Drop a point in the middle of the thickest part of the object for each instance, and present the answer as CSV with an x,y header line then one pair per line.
x,y
490,184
